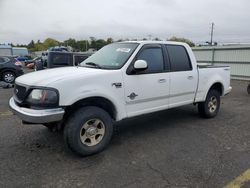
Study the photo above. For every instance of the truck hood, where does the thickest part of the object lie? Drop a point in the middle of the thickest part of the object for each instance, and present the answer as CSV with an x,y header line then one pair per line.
x,y
48,76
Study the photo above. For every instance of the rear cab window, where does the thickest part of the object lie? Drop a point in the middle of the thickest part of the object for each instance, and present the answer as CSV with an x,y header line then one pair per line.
x,y
179,58
61,59
79,58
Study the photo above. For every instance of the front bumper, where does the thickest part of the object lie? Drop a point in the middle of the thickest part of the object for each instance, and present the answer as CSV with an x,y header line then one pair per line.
x,y
36,116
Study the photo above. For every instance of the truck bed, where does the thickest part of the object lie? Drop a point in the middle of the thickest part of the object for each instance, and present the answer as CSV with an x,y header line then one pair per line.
x,y
209,74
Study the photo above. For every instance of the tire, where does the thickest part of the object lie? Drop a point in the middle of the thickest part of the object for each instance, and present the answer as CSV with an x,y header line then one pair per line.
x,y
9,77
248,89
211,106
88,131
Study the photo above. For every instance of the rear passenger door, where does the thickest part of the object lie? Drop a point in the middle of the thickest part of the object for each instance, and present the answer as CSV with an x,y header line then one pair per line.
x,y
183,77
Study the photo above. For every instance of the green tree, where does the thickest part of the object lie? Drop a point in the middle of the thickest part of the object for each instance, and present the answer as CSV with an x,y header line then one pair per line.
x,y
82,45
31,45
157,39
110,40
93,42
49,42
39,47
70,42
39,42
100,43
177,39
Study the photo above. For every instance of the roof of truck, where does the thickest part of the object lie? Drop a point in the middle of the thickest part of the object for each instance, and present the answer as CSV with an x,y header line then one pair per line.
x,y
155,42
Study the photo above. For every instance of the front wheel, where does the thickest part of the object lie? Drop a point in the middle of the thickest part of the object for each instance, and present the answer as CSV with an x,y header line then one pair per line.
x,y
248,89
211,106
88,131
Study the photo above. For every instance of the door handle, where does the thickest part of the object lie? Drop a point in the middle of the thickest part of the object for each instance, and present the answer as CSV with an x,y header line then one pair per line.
x,y
162,80
190,77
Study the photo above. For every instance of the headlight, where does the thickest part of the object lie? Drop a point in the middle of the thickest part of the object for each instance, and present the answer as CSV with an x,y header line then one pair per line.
x,y
42,98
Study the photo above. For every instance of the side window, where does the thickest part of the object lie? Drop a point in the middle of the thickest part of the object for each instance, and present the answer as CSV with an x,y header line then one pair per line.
x,y
178,58
154,58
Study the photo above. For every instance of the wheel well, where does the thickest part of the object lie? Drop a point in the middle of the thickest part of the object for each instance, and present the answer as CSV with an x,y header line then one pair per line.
x,y
100,102
218,86
7,70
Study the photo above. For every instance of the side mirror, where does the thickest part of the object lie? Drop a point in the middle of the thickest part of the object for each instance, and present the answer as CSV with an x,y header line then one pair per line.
x,y
140,65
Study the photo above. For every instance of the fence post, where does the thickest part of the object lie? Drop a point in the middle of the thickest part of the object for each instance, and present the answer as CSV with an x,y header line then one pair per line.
x,y
213,52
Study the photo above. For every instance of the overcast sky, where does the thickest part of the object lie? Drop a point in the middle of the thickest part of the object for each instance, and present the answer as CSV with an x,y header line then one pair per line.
x,y
24,20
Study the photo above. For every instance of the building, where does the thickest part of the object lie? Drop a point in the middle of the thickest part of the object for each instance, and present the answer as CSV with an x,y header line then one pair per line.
x,y
235,56
5,50
19,51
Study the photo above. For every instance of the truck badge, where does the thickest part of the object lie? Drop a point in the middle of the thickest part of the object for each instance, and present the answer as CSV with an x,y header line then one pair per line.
x,y
132,96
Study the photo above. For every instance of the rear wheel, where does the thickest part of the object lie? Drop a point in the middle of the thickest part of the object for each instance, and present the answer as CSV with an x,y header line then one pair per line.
x,y
211,106
88,131
248,89
9,77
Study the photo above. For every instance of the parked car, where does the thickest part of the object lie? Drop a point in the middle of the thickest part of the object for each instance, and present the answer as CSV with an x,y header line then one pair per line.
x,y
62,59
121,80
24,59
10,68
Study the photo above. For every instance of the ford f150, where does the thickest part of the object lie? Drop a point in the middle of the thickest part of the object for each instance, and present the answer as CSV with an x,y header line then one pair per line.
x,y
119,81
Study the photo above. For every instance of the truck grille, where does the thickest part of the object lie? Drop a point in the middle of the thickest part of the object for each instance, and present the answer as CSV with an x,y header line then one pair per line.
x,y
19,92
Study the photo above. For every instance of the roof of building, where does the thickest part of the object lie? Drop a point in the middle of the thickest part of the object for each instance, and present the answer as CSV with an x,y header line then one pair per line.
x,y
231,47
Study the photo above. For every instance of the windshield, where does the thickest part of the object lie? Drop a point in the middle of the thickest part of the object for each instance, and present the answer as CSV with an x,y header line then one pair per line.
x,y
112,56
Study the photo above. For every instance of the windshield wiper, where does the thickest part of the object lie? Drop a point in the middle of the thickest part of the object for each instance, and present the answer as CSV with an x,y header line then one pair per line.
x,y
93,64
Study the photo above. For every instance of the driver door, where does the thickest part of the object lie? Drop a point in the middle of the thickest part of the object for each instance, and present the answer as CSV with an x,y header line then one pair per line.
x,y
147,91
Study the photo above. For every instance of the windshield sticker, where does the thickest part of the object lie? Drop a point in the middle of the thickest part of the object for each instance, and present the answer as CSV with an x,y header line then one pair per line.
x,y
126,50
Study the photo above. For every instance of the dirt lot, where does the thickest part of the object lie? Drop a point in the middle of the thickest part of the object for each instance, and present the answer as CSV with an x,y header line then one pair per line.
x,y
174,148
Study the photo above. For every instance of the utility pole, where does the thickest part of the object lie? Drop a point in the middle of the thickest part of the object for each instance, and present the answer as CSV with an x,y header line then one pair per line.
x,y
212,34
86,45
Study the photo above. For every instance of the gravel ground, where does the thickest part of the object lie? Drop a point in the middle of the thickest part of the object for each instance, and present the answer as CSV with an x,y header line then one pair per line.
x,y
174,148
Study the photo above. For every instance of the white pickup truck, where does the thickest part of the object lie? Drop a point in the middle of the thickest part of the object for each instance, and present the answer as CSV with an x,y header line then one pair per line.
x,y
120,81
